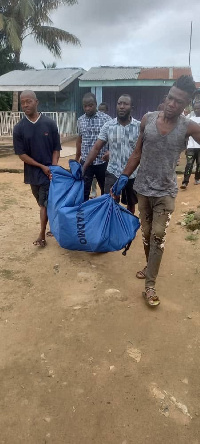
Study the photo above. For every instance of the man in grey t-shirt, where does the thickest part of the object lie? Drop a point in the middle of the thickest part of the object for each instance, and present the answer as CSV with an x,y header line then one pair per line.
x,y
163,135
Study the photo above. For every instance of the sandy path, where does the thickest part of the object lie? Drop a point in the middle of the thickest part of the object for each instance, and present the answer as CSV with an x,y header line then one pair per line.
x,y
80,366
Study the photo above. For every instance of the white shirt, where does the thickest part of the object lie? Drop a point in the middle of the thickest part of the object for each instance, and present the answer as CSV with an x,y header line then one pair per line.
x,y
191,142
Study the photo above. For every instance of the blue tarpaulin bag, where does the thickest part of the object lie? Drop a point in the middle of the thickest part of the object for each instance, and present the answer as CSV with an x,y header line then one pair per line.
x,y
98,225
66,189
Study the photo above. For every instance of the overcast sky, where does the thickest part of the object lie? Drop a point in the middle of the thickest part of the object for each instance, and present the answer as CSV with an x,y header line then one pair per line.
x,y
128,33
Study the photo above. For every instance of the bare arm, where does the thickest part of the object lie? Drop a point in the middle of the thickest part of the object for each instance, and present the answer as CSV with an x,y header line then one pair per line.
x,y
135,157
78,148
93,153
194,131
27,159
55,157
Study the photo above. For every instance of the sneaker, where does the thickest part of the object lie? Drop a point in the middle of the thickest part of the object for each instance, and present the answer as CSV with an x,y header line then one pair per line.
x,y
183,186
197,182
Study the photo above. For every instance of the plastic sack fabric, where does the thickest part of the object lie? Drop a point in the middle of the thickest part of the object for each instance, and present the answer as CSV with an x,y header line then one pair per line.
x,y
66,189
98,225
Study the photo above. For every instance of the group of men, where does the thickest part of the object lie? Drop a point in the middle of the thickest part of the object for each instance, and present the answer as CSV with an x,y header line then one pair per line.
x,y
146,152
99,135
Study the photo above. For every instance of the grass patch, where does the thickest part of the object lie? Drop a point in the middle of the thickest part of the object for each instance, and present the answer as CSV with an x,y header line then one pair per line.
x,y
191,221
10,201
7,274
189,218
191,237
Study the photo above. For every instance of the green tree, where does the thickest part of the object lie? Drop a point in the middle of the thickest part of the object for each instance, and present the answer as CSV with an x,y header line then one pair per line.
x,y
49,65
5,101
8,63
7,59
20,18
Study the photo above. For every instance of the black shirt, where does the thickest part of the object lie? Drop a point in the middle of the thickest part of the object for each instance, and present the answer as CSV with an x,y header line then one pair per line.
x,y
38,140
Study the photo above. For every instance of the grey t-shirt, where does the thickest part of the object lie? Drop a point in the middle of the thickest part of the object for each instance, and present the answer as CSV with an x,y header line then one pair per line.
x,y
157,171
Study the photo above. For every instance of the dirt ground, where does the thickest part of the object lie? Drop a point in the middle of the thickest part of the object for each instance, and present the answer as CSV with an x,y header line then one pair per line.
x,y
83,360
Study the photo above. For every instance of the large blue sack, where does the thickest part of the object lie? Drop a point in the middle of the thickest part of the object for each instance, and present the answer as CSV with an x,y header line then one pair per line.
x,y
66,189
98,225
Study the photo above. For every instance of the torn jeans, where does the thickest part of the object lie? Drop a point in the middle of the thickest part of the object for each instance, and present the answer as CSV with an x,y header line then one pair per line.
x,y
155,215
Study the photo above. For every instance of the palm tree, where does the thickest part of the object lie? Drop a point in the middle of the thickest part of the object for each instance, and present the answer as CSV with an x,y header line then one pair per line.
x,y
49,65
20,18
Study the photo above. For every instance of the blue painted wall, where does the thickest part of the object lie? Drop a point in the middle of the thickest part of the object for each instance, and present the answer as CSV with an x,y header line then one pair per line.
x,y
70,99
144,98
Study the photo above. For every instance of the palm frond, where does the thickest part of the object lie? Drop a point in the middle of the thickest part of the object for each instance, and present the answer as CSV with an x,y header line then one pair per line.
x,y
23,8
12,31
52,37
1,22
19,18
50,5
39,18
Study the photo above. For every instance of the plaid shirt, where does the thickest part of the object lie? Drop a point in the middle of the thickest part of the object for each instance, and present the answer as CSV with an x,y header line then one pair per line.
x,y
122,141
89,129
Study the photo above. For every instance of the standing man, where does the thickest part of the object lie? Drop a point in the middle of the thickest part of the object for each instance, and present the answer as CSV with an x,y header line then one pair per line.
x,y
89,126
163,136
121,134
193,152
103,108
37,142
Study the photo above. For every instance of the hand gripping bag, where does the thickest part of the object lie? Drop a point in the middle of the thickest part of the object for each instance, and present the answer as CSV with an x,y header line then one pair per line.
x,y
98,225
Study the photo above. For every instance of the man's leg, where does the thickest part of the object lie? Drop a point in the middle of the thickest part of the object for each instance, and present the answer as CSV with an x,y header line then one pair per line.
x,y
163,207
197,172
146,217
88,177
110,179
129,196
100,171
41,195
93,191
190,156
43,224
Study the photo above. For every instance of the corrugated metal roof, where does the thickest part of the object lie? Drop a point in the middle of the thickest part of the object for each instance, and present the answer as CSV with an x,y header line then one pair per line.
x,y
111,73
102,73
164,73
39,79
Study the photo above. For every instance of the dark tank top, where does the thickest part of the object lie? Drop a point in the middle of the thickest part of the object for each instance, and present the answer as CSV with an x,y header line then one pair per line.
x,y
160,153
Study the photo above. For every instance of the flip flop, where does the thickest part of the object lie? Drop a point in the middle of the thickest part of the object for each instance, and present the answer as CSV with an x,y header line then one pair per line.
x,y
49,234
151,297
40,243
141,274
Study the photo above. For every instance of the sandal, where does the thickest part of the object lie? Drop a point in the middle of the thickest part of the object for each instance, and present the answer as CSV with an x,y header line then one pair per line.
x,y
49,234
40,243
141,274
151,297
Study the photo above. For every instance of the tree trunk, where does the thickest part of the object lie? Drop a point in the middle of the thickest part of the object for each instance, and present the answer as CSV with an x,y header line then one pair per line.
x,y
15,102
15,99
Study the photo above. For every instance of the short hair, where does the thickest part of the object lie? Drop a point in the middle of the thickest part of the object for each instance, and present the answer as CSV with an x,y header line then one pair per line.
x,y
196,95
104,104
28,92
90,95
126,95
186,84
